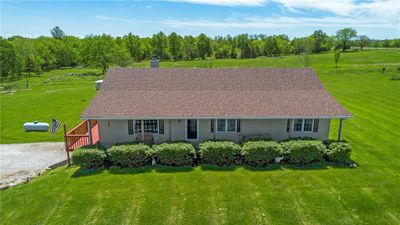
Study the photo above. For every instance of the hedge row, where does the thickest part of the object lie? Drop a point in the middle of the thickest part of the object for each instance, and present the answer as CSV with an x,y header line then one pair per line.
x,y
221,153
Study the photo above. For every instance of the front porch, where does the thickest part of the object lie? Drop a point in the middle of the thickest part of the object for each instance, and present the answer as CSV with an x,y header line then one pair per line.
x,y
85,133
157,131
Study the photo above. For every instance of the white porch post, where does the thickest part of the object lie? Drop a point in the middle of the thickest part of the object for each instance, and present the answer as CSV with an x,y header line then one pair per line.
x,y
89,131
340,129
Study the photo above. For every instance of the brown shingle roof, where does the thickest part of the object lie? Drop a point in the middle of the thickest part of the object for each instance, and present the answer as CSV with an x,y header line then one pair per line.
x,y
200,93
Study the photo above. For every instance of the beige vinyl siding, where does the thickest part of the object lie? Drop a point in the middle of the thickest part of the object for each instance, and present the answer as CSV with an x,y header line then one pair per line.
x,y
116,131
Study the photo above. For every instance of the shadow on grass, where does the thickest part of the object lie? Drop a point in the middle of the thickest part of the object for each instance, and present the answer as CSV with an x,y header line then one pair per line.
x,y
311,166
208,167
136,170
270,167
172,169
87,172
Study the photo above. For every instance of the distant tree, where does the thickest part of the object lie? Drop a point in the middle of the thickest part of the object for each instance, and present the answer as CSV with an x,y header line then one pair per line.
x,y
134,46
175,46
232,43
57,33
363,41
344,37
47,49
271,47
160,43
320,39
101,51
257,48
203,44
243,44
9,62
189,47
283,43
307,47
221,47
336,55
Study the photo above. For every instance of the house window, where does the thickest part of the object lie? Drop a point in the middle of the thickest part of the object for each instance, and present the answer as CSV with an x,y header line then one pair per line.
x,y
150,126
305,125
308,125
221,125
298,125
227,125
138,126
231,125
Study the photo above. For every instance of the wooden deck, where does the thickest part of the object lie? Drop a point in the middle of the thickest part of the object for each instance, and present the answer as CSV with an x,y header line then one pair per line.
x,y
79,135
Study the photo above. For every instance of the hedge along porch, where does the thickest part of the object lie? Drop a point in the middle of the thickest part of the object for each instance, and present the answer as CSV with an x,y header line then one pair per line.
x,y
205,104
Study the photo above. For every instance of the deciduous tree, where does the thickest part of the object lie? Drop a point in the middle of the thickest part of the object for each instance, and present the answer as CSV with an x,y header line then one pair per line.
x,y
57,33
203,44
344,36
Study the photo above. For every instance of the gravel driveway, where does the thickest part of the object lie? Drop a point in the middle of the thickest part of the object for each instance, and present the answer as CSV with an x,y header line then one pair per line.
x,y
20,161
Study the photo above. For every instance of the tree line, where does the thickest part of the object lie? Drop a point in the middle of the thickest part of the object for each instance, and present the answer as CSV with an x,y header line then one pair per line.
x,y
20,55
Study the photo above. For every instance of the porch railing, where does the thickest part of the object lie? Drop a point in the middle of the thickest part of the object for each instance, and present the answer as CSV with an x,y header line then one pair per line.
x,y
80,136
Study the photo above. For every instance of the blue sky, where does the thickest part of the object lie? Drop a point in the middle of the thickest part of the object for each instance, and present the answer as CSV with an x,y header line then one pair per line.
x,y
296,18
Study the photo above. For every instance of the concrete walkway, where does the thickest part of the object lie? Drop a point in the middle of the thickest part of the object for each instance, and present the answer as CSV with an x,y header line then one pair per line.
x,y
18,162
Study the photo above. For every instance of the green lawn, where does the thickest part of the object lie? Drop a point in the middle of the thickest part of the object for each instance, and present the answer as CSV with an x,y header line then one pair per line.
x,y
52,94
368,194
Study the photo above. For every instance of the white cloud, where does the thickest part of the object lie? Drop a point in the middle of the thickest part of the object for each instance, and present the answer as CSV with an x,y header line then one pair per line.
x,y
381,8
116,19
278,22
225,2
375,13
352,8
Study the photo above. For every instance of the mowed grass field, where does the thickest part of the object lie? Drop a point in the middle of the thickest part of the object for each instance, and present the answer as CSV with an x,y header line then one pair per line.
x,y
319,194
51,95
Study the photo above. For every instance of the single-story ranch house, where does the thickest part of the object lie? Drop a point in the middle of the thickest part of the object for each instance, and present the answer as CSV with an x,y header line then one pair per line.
x,y
196,104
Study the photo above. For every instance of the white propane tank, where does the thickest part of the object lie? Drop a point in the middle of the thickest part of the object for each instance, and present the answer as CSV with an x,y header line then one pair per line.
x,y
36,126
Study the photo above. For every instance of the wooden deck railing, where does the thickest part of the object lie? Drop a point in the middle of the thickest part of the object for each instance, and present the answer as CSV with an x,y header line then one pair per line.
x,y
79,136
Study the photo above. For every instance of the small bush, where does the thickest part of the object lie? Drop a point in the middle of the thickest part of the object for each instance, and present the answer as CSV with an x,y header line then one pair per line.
x,y
220,153
338,151
395,77
129,155
260,153
303,152
174,154
89,157
98,146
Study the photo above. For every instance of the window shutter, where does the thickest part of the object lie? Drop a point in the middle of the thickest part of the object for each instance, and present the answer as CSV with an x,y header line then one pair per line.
x,y
238,126
161,126
212,125
316,125
288,125
130,127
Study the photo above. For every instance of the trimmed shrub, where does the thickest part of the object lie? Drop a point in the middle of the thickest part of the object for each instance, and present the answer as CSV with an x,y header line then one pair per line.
x,y
129,155
220,153
260,153
303,152
89,157
174,154
98,146
338,151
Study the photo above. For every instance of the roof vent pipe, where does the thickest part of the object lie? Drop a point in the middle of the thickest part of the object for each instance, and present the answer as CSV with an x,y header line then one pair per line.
x,y
154,62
